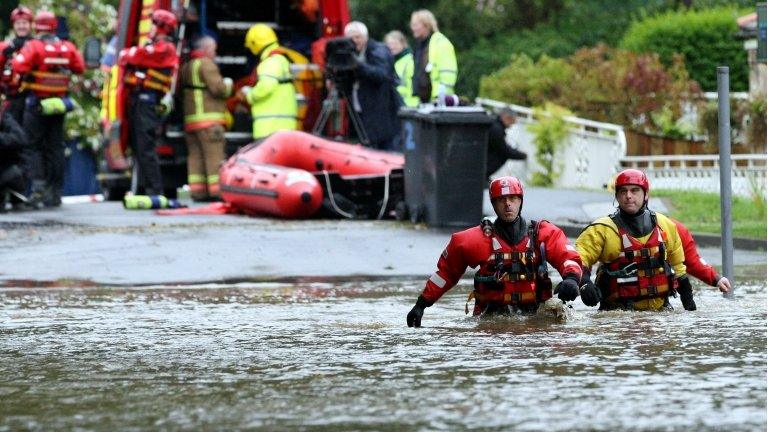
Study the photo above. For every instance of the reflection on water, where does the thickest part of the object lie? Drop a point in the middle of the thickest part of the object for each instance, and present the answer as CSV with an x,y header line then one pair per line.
x,y
331,356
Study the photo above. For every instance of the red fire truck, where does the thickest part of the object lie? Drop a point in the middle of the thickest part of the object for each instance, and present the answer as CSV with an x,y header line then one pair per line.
x,y
302,25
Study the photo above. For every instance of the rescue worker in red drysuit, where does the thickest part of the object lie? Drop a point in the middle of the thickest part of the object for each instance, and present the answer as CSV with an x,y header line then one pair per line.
x,y
149,72
640,254
46,64
21,19
511,254
695,264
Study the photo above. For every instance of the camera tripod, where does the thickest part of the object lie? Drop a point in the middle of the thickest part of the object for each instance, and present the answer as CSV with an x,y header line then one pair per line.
x,y
330,105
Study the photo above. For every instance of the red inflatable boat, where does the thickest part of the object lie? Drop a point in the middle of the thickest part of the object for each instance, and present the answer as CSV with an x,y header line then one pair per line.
x,y
275,177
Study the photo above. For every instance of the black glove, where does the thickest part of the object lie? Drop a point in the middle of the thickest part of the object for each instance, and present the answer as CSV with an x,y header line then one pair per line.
x,y
568,289
685,290
590,293
414,316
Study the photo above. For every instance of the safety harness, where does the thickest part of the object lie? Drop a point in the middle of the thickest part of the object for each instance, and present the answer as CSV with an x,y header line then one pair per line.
x,y
158,80
47,82
641,271
512,277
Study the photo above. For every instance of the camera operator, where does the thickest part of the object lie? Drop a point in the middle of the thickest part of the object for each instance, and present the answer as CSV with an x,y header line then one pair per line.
x,y
373,94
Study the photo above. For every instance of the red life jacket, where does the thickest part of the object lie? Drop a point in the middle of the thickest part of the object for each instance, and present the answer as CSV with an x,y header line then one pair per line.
x,y
158,80
641,271
151,67
9,79
53,69
514,275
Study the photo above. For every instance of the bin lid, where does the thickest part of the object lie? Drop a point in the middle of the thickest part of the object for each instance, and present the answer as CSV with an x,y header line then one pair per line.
x,y
455,117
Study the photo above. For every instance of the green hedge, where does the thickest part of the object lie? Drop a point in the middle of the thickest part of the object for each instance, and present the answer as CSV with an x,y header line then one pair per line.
x,y
706,38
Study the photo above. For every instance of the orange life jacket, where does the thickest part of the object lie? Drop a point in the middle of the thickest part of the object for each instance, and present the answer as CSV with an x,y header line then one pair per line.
x,y
158,80
641,271
514,275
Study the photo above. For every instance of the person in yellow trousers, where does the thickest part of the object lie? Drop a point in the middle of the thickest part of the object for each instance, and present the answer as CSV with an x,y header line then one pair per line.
x,y
435,70
398,46
205,116
273,97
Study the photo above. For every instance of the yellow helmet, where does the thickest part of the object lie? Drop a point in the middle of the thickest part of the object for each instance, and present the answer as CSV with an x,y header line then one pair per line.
x,y
259,36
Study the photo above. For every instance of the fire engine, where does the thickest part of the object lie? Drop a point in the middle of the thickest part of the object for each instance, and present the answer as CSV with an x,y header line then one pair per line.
x,y
301,25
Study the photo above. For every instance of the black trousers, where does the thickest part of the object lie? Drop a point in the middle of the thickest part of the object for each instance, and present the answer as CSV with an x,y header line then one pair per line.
x,y
16,105
144,122
45,160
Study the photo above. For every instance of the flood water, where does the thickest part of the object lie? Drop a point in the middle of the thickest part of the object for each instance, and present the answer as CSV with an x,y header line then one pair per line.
x,y
338,356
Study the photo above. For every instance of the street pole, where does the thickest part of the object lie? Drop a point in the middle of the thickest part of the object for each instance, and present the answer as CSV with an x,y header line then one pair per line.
x,y
724,142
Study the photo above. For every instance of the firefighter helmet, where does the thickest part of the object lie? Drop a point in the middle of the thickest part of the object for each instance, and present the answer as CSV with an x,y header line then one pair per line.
x,y
165,21
632,177
505,186
46,22
258,37
22,13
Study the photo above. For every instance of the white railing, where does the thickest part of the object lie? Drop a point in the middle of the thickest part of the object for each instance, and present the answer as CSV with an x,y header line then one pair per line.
x,y
702,172
594,152
588,159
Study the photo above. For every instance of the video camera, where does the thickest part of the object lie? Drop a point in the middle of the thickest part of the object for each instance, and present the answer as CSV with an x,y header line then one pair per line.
x,y
340,59
340,54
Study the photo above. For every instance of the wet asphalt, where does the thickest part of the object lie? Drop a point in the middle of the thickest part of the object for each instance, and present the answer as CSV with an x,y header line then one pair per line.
x,y
101,243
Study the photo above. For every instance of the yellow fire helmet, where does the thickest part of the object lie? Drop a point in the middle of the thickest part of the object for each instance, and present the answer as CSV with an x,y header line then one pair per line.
x,y
259,36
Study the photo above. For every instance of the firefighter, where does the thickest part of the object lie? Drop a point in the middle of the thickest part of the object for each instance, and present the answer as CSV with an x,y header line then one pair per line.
x,y
695,264
512,254
21,19
640,253
149,71
46,65
205,96
273,97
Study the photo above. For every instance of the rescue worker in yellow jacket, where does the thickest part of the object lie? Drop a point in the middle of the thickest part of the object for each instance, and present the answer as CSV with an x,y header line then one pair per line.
x,y
273,98
398,46
640,253
205,111
435,70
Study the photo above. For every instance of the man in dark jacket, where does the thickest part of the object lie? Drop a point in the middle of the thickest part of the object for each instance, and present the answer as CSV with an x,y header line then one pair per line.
x,y
13,141
498,150
373,92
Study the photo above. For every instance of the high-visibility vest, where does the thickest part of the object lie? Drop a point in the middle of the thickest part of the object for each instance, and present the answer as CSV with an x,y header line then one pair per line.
x,y
404,68
273,98
441,64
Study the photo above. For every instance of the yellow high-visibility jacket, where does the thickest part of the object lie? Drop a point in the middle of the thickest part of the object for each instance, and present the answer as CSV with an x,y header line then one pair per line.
x,y
273,98
404,65
441,65
600,243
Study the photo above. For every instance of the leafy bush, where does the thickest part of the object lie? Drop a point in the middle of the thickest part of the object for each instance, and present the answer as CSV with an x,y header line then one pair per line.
x,y
526,82
603,84
548,134
748,123
706,39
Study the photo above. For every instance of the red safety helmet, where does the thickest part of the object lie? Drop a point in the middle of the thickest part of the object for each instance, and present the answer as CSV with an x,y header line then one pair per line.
x,y
46,21
165,21
632,177
22,13
505,186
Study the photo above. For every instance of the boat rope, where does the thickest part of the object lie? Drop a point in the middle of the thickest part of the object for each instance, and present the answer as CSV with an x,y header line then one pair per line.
x,y
386,197
330,198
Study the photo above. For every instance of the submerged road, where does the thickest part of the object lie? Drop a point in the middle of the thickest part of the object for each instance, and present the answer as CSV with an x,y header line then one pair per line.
x,y
102,243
